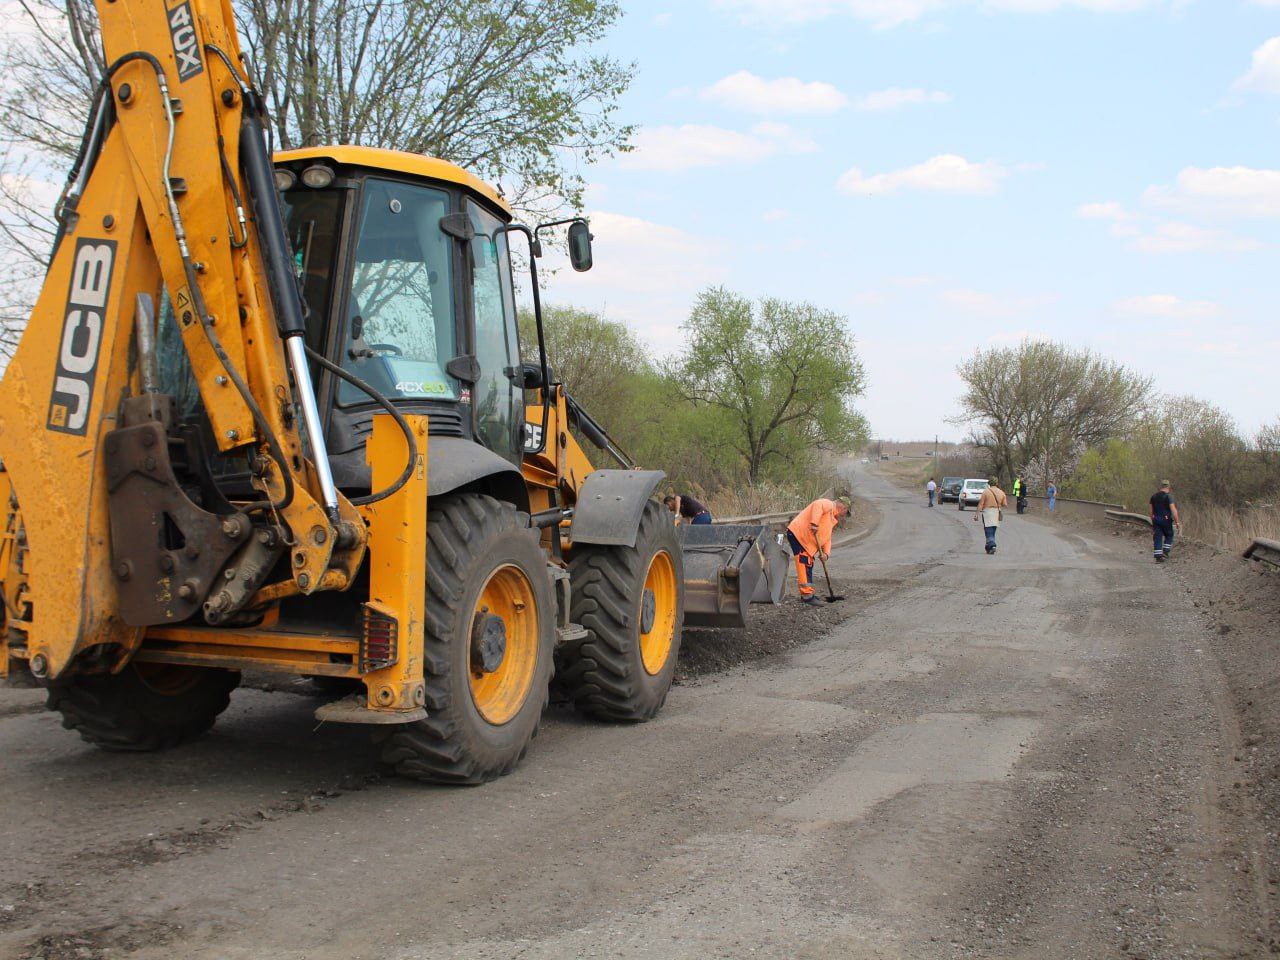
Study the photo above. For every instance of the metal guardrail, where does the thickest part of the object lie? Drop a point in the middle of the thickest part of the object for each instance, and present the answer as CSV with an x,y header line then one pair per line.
x,y
1121,516
1116,507
1268,551
760,517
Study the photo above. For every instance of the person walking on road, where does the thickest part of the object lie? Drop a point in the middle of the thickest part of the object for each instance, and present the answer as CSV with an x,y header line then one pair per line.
x,y
990,506
1020,493
1164,520
1052,492
687,509
932,487
810,537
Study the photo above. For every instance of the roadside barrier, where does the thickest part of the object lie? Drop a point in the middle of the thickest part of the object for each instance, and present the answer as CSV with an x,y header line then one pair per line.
x,y
1065,506
1268,551
1122,517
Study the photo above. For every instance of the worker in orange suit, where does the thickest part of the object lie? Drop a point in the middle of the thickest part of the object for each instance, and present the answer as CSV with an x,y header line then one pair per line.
x,y
810,537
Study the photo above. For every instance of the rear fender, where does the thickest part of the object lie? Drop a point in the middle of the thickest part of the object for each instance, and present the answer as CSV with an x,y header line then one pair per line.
x,y
456,464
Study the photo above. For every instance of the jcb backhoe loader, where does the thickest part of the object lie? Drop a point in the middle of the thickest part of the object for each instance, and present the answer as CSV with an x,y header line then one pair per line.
x,y
269,413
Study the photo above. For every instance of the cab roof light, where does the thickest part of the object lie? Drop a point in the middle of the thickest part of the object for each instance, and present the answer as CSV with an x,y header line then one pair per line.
x,y
317,176
285,179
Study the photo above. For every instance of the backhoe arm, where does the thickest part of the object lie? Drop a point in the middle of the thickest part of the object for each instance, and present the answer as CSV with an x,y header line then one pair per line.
x,y
172,195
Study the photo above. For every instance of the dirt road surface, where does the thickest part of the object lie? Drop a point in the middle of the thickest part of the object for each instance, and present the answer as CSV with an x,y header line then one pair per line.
x,y
1026,755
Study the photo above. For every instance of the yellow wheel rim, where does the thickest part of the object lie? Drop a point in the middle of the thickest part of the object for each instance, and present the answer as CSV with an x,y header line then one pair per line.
x,y
656,642
499,695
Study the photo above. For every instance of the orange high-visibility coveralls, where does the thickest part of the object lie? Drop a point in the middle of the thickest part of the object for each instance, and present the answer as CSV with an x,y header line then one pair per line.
x,y
812,529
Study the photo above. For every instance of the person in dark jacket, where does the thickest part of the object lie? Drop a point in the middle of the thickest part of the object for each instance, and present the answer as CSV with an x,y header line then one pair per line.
x,y
687,509
1164,519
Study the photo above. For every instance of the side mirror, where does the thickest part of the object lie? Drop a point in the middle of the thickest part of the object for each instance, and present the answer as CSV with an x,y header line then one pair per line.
x,y
580,245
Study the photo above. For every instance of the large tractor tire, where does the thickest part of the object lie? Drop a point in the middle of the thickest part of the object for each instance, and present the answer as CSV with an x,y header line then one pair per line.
x,y
146,706
489,638
631,601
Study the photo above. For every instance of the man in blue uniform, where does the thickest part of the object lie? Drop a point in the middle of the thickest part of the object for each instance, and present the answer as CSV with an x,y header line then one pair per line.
x,y
1164,520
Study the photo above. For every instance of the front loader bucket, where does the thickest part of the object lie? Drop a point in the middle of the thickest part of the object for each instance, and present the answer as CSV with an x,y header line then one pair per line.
x,y
727,567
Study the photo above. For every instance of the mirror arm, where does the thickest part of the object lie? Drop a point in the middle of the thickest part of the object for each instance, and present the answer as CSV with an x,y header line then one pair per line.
x,y
535,250
556,223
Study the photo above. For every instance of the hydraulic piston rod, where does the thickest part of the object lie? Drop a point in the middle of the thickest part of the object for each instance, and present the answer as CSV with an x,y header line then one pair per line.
x,y
283,283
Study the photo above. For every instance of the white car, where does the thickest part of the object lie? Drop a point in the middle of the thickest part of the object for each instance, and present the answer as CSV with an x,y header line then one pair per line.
x,y
971,493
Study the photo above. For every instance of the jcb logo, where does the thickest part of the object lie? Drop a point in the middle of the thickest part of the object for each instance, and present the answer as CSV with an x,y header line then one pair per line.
x,y
532,437
81,336
186,45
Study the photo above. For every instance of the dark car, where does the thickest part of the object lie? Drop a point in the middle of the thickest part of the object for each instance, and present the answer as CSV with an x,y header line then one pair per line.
x,y
949,489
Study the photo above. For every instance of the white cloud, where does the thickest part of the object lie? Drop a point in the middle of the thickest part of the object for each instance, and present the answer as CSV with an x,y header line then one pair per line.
x,y
646,274
884,14
1222,191
1147,234
895,98
1264,74
1165,306
746,91
673,149
990,304
774,215
1171,236
947,173
1105,211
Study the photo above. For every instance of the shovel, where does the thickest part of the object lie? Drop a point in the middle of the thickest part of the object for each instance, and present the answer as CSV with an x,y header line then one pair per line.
x,y
832,596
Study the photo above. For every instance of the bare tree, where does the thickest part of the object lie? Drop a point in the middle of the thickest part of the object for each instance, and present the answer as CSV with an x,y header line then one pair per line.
x,y
497,86
1044,402
507,88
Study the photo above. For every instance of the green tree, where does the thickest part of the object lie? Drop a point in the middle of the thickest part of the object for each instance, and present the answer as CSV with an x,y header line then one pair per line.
x,y
780,376
598,360
1110,472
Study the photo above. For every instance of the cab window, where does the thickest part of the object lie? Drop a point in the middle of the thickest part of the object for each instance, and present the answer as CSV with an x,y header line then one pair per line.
x,y
498,402
400,328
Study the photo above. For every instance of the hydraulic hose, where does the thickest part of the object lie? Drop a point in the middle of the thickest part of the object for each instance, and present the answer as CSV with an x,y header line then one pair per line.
x,y
197,297
387,405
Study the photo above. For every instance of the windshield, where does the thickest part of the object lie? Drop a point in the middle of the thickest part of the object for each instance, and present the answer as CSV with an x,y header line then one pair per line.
x,y
400,319
975,484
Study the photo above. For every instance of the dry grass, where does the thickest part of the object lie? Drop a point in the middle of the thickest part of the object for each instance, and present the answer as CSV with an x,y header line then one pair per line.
x,y
748,500
905,473
1231,529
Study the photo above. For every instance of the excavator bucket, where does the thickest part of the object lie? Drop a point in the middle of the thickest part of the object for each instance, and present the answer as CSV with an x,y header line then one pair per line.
x,y
727,567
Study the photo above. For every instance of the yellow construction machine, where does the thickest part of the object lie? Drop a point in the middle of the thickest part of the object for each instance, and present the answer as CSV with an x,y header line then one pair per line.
x,y
269,413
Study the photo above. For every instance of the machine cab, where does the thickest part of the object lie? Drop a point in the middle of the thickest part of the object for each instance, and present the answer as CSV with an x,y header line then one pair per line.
x,y
405,268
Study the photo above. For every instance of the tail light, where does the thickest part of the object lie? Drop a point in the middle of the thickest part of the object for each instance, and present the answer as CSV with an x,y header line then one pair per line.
x,y
378,644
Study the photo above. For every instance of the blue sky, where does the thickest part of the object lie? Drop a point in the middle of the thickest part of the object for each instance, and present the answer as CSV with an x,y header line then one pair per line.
x,y
954,174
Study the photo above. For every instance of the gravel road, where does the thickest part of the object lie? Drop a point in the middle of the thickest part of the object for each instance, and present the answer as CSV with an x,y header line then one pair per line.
x,y
1026,755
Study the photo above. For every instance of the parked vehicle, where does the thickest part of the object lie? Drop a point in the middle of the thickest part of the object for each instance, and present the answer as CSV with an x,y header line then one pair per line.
x,y
971,493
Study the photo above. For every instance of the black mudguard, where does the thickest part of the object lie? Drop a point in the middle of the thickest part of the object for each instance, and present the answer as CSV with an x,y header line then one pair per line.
x,y
609,506
454,463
